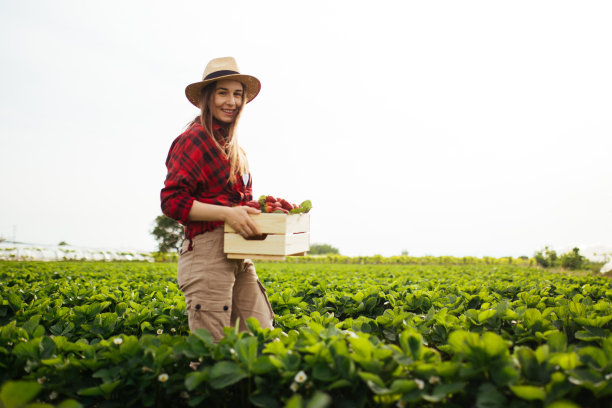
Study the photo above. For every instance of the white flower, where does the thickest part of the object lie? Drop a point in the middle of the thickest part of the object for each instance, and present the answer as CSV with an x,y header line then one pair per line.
x,y
184,395
401,404
173,330
160,331
294,387
53,395
514,322
351,334
434,379
420,383
117,340
163,377
41,380
300,377
232,352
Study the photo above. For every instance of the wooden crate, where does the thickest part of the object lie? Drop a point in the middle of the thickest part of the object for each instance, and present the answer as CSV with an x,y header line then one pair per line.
x,y
284,235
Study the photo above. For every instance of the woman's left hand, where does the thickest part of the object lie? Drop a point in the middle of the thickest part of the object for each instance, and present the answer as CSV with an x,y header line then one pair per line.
x,y
238,218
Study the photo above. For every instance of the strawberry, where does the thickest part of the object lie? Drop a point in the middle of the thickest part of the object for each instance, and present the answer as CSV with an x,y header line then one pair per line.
x,y
254,204
270,199
286,205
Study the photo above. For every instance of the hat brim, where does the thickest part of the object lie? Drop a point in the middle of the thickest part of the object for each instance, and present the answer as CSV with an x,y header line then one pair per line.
x,y
251,84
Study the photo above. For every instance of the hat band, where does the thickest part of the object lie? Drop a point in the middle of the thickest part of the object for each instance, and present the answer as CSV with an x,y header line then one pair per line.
x,y
218,74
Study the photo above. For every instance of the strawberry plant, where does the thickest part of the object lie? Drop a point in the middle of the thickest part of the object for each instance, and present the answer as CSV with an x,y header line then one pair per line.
x,y
107,334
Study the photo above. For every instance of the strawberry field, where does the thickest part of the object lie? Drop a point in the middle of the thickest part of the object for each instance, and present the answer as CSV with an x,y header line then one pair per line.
x,y
115,334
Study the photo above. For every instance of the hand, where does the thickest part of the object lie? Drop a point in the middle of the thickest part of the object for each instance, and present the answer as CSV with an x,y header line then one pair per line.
x,y
238,218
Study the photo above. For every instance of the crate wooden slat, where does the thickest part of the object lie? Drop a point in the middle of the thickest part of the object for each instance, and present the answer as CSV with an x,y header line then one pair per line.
x,y
285,235
279,223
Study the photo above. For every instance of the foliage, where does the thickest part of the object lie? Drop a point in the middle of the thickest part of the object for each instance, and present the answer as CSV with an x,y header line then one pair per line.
x,y
323,249
168,233
546,258
410,260
165,256
116,334
573,260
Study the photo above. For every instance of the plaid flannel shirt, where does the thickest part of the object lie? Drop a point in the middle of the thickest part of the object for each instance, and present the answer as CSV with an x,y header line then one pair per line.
x,y
197,170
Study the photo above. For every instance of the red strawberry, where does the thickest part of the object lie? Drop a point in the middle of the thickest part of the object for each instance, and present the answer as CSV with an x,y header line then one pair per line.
x,y
254,204
270,199
286,205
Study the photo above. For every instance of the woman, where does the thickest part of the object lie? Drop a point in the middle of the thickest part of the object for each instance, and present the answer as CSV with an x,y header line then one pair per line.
x,y
208,180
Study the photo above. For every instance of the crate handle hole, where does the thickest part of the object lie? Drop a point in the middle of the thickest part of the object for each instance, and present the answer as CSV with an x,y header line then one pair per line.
x,y
257,237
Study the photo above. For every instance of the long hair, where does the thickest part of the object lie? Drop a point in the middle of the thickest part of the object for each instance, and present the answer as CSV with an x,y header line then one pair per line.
x,y
229,146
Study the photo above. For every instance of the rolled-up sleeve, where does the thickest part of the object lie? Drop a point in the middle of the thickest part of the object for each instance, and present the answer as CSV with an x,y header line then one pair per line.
x,y
178,194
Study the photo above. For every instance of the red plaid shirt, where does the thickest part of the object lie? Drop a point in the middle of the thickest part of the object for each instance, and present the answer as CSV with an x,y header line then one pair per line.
x,y
197,170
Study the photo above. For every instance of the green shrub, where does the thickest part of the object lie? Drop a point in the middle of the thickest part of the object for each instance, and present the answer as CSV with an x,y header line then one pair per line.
x,y
573,260
546,258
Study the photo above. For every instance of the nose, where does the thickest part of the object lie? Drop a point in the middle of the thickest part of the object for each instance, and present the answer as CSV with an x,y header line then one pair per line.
x,y
232,100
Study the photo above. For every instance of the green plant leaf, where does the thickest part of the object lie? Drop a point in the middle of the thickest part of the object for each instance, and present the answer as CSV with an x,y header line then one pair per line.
x,y
528,392
264,401
319,400
226,373
295,402
69,403
193,380
489,397
563,404
15,394
246,350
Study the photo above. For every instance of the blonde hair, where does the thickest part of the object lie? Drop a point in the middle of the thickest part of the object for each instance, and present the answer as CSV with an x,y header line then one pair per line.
x,y
232,151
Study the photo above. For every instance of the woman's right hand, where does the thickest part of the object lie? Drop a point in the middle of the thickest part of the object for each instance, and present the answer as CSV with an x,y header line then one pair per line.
x,y
238,218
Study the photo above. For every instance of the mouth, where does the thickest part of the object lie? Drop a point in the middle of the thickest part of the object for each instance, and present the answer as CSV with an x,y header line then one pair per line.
x,y
228,112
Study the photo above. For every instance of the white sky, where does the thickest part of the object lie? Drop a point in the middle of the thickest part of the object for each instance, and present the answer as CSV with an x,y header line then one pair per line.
x,y
439,127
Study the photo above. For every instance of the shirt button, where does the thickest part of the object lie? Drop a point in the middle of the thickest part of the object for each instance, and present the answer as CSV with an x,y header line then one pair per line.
x,y
225,307
197,307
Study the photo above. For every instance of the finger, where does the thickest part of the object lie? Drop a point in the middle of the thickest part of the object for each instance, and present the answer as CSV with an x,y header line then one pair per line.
x,y
252,210
253,227
246,230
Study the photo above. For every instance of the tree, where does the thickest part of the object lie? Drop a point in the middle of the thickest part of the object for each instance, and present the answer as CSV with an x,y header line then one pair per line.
x,y
546,258
573,260
323,249
168,233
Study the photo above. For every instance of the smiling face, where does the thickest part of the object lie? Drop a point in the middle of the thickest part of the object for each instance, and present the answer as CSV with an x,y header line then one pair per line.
x,y
227,100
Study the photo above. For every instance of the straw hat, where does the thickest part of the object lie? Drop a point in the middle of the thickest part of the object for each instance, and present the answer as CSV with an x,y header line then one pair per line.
x,y
218,69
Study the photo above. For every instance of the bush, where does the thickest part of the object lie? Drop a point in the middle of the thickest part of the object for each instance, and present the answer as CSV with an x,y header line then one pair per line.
x,y
573,260
546,258
323,249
